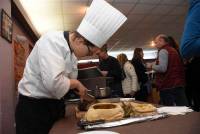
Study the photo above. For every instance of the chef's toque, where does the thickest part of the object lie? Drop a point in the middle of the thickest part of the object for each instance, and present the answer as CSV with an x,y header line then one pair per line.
x,y
100,22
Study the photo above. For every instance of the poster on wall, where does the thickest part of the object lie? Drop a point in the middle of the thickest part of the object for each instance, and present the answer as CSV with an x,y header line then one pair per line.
x,y
6,26
19,61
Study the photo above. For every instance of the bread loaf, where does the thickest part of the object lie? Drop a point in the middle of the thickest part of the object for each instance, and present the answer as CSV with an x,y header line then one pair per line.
x,y
104,111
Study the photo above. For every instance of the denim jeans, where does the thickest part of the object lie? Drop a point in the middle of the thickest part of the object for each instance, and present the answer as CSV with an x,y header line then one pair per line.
x,y
174,96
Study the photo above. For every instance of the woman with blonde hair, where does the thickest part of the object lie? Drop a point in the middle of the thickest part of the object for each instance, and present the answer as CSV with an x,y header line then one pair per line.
x,y
130,82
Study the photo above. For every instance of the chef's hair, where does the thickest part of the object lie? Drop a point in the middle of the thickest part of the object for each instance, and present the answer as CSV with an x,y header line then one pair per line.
x,y
87,42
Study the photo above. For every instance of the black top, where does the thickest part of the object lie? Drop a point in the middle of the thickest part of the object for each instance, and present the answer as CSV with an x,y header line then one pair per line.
x,y
140,70
113,67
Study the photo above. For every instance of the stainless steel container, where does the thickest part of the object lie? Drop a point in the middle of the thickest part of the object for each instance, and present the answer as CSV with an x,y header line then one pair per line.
x,y
102,92
99,87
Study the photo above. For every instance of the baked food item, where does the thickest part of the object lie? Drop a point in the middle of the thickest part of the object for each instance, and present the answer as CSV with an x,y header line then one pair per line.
x,y
104,111
143,109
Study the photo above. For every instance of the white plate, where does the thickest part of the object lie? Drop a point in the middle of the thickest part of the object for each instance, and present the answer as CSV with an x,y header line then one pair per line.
x,y
99,132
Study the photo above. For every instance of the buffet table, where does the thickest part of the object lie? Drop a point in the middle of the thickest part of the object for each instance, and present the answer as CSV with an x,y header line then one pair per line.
x,y
180,124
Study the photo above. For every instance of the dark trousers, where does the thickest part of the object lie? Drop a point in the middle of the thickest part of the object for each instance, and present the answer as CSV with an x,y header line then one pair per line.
x,y
196,99
37,116
116,90
174,96
192,82
142,94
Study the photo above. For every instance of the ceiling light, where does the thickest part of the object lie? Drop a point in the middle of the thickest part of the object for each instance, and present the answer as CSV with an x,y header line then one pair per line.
x,y
45,16
153,44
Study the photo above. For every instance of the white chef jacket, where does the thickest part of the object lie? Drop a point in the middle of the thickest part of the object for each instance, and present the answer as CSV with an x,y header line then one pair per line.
x,y
48,68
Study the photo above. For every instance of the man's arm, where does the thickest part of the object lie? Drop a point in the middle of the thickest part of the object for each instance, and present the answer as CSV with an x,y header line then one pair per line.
x,y
163,62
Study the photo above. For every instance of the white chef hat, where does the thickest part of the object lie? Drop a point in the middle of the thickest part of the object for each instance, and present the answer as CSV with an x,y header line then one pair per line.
x,y
100,22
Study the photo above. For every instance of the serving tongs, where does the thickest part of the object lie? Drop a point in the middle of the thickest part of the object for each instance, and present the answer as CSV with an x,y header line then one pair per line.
x,y
88,99
83,123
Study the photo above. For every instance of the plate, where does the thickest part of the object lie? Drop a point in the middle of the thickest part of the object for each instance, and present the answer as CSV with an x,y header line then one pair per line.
x,y
99,132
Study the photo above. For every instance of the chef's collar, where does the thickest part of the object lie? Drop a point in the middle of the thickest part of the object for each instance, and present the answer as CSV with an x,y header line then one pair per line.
x,y
66,35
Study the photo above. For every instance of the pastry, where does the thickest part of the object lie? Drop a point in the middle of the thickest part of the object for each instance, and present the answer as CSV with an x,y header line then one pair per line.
x,y
104,111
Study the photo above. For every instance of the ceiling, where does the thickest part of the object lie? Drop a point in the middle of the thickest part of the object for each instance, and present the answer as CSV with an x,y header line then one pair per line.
x,y
146,19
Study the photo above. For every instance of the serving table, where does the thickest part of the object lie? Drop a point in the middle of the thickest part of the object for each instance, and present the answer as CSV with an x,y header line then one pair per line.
x,y
179,124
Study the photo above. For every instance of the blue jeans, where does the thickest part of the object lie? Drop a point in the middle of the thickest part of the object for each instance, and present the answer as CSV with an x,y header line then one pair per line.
x,y
190,42
174,96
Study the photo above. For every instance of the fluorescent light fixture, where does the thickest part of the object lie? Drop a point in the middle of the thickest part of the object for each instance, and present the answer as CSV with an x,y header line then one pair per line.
x,y
45,16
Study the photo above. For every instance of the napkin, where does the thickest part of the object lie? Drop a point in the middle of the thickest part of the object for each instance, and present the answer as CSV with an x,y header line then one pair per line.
x,y
174,110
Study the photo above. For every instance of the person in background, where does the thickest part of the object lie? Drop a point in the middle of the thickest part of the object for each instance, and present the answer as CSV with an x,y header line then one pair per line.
x,y
170,76
110,67
188,79
192,82
51,68
190,49
130,82
139,65
189,82
173,44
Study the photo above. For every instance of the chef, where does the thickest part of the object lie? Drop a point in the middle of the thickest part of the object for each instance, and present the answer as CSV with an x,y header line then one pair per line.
x,y
51,68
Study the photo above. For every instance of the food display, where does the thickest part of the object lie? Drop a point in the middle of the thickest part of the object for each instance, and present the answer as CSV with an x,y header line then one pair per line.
x,y
117,111
143,107
104,111
133,109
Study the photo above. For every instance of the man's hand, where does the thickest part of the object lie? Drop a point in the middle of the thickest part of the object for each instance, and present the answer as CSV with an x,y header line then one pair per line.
x,y
149,65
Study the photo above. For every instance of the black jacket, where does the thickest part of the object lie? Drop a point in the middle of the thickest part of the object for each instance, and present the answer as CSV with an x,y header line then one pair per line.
x,y
140,71
113,67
